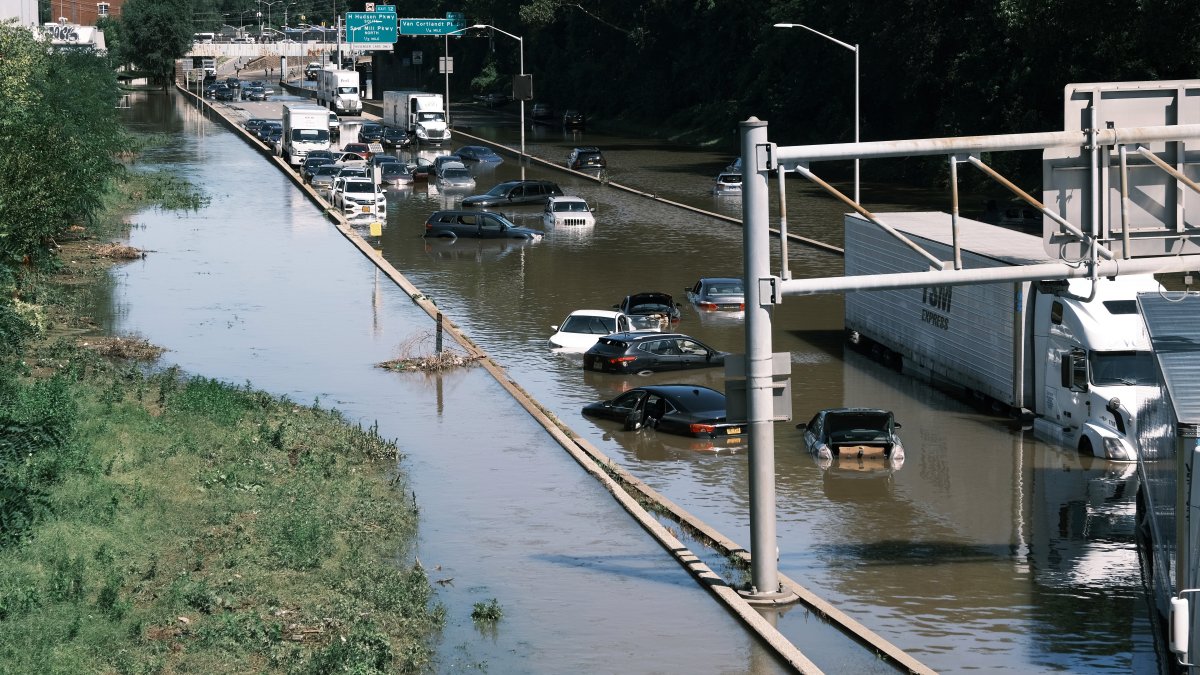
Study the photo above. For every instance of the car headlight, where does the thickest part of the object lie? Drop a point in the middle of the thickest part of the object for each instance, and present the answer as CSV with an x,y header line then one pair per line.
x,y
1116,449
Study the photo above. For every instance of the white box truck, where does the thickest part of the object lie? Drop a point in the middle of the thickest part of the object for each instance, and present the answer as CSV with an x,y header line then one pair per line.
x,y
338,91
422,114
1074,354
305,128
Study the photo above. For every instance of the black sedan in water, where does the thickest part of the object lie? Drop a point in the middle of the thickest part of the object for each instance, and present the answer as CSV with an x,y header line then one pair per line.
x,y
649,352
685,409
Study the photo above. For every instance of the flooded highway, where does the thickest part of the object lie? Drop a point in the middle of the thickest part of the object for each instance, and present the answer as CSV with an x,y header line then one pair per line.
x,y
986,550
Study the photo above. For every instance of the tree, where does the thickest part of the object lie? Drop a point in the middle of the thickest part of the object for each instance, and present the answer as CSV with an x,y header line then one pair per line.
x,y
59,136
155,33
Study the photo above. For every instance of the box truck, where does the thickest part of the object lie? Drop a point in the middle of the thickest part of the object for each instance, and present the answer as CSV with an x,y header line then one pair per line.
x,y
422,114
305,128
1072,354
338,91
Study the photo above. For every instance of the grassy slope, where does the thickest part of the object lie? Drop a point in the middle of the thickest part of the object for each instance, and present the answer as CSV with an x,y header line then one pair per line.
x,y
188,525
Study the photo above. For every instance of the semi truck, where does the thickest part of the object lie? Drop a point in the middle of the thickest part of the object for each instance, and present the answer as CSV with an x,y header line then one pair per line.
x,y
305,129
422,114
1073,355
338,91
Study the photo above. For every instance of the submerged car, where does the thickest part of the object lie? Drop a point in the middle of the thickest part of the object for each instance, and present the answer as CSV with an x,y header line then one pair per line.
x,y
586,157
393,138
650,352
718,293
353,194
573,119
476,224
395,173
650,304
852,432
568,211
684,409
455,176
370,132
322,177
516,192
583,327
479,153
728,183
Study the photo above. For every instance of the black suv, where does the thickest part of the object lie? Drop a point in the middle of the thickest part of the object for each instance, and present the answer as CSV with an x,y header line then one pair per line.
x,y
588,157
515,192
476,224
394,138
573,119
370,132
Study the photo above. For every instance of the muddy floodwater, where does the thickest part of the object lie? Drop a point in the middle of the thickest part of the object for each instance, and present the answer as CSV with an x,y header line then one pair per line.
x,y
986,550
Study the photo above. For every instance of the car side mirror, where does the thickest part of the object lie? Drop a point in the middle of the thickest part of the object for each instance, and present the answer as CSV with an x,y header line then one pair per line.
x,y
896,425
554,328
802,425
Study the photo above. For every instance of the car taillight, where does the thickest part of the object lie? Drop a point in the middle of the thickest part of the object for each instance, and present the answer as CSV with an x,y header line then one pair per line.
x,y
623,359
741,305
701,428
708,305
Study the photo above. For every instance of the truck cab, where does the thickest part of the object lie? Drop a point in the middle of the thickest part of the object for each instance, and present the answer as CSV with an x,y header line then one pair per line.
x,y
1099,365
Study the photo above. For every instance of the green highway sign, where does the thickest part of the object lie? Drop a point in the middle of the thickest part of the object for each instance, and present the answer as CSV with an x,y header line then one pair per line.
x,y
431,26
378,27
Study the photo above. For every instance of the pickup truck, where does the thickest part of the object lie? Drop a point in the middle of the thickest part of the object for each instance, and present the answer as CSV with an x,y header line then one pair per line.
x,y
477,224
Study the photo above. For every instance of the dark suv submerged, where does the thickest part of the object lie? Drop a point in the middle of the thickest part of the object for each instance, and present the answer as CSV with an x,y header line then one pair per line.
x,y
515,192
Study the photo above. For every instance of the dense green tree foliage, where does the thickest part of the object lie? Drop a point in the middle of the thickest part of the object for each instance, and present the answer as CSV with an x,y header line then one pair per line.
x,y
154,33
928,68
58,142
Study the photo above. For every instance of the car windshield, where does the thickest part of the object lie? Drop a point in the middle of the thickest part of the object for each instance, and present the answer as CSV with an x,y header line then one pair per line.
x,y
347,90
570,206
312,135
327,170
359,186
590,325
1127,368
727,288
430,117
500,190
839,423
459,174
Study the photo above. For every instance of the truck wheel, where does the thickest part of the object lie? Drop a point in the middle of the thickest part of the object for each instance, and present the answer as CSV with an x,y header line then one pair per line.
x,y
1085,447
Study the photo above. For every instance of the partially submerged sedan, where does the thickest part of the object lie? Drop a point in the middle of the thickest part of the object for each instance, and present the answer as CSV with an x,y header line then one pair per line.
x,y
685,409
853,432
644,352
718,293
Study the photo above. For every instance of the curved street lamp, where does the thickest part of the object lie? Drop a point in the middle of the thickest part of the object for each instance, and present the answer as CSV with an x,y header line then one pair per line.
x,y
853,48
521,46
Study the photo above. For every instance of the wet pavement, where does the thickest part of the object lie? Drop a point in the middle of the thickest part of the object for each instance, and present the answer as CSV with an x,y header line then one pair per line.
x,y
986,550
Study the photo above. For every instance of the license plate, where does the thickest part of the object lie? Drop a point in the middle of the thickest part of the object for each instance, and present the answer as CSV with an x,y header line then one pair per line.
x,y
366,209
597,365
733,431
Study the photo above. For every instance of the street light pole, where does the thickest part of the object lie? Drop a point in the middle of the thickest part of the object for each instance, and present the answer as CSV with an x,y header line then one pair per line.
x,y
521,47
857,86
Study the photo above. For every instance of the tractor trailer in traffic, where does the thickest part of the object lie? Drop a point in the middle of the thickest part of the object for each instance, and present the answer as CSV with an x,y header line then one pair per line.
x,y
338,90
422,114
1073,354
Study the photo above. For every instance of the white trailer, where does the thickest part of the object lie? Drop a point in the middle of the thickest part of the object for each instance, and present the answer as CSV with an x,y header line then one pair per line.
x,y
422,114
338,90
1074,354
305,129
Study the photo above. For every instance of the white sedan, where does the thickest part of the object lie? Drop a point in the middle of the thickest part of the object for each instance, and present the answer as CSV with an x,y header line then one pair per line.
x,y
583,327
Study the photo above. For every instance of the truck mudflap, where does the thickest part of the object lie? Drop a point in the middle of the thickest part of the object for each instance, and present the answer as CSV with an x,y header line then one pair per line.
x,y
1106,442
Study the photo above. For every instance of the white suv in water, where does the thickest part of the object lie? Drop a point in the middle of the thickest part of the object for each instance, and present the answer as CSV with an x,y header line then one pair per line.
x,y
353,194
